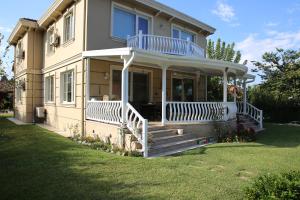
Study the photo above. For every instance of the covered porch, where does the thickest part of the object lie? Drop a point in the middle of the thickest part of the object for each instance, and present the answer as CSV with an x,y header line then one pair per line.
x,y
133,102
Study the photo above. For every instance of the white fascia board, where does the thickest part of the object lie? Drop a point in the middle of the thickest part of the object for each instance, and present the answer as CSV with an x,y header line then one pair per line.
x,y
107,52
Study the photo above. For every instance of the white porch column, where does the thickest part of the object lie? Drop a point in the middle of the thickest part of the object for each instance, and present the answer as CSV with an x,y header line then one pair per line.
x,y
87,84
124,93
163,95
244,97
225,82
235,94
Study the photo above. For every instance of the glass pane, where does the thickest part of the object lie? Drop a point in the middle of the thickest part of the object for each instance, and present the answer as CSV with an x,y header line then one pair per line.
x,y
189,90
116,84
143,25
175,33
140,88
124,23
186,35
177,89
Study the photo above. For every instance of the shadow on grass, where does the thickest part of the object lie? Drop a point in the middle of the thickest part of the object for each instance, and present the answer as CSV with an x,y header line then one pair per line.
x,y
36,164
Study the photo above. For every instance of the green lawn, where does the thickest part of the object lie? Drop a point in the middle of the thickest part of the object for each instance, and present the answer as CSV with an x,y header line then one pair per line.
x,y
38,164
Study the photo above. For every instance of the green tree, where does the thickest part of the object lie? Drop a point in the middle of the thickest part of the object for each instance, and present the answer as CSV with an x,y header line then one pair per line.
x,y
3,55
220,51
279,93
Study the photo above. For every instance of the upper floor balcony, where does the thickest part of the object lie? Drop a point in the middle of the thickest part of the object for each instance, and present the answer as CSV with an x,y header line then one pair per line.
x,y
165,45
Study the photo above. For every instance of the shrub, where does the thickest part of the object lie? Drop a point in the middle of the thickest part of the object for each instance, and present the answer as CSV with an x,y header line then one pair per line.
x,y
272,186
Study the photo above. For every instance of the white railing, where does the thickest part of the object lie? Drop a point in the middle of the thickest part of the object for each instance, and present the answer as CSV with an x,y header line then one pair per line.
x,y
189,112
138,126
104,111
252,112
165,45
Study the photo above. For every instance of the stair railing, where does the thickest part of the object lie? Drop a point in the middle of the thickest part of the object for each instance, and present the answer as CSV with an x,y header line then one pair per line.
x,y
138,126
251,111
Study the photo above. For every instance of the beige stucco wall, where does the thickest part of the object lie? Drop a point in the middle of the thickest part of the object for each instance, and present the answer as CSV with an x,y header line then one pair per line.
x,y
65,116
69,49
29,71
99,31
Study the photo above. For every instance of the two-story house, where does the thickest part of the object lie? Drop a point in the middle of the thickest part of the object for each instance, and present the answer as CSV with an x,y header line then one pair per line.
x,y
105,66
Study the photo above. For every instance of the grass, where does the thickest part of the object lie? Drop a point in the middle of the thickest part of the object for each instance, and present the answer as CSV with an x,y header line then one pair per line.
x,y
38,164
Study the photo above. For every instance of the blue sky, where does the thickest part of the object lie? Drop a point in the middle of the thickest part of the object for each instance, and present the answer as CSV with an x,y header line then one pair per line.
x,y
255,26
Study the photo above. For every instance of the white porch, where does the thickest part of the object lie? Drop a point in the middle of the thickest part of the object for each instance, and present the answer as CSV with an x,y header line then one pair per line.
x,y
122,113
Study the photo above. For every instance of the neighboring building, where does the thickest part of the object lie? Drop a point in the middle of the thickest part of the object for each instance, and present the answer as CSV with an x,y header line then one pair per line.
x,y
106,65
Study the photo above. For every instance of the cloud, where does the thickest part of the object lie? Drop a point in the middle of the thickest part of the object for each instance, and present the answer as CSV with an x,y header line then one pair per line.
x,y
224,11
5,29
253,46
294,8
272,24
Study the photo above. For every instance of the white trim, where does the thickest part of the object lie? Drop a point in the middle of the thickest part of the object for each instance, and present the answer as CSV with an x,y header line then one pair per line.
x,y
73,87
54,87
70,11
137,14
136,70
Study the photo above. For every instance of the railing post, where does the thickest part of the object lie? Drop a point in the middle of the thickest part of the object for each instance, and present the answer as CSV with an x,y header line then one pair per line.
x,y
140,36
261,119
188,46
244,98
163,95
145,138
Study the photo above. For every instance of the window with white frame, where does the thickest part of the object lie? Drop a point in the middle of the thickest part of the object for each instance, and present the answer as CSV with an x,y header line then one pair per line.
x,y
18,94
183,34
19,52
49,89
50,40
128,23
67,87
69,26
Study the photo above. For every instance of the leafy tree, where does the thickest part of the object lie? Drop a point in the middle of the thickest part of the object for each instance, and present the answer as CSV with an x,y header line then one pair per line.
x,y
3,55
219,51
280,90
222,51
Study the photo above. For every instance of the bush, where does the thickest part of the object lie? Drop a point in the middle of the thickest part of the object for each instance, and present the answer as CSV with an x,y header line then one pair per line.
x,y
283,186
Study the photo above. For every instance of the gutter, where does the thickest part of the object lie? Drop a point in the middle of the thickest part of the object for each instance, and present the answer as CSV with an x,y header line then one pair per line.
x,y
83,129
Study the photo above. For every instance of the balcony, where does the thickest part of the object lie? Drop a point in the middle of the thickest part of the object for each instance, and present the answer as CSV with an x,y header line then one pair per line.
x,y
165,45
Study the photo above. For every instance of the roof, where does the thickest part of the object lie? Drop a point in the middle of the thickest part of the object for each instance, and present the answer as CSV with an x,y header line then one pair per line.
x,y
20,29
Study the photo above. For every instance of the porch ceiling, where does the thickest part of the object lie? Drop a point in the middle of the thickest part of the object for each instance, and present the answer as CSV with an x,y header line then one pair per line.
x,y
183,63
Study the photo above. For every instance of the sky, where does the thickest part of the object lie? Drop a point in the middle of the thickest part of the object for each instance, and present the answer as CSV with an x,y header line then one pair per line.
x,y
256,26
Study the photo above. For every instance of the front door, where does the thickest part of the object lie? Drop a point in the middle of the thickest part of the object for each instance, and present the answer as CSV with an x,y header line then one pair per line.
x,y
183,89
139,87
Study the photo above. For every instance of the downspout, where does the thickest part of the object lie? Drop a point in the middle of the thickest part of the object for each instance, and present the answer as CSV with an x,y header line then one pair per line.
x,y
83,130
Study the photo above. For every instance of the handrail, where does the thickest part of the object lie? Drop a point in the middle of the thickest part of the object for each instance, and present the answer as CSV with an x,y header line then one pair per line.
x,y
190,112
104,111
165,45
252,111
136,123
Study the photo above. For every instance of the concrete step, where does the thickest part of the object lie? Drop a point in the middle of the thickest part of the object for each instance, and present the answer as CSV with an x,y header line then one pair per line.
x,y
174,146
173,138
162,133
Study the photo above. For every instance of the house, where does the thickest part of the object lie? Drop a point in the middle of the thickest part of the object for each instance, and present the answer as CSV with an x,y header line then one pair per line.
x,y
131,71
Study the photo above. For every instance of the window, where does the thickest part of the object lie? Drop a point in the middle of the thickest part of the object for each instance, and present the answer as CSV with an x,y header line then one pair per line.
x,y
50,38
69,27
182,34
183,89
138,87
19,52
67,87
18,94
126,23
49,89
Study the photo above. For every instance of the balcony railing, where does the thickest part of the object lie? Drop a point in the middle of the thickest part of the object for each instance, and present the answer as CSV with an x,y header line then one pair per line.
x,y
165,45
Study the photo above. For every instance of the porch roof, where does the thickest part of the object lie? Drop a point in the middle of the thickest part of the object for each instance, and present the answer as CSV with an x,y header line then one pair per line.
x,y
184,63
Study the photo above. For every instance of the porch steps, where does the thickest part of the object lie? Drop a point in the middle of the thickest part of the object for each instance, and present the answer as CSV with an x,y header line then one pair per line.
x,y
247,122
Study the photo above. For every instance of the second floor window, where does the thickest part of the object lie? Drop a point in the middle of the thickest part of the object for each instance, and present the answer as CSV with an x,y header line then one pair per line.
x,y
49,89
126,23
50,38
67,87
69,29
182,34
